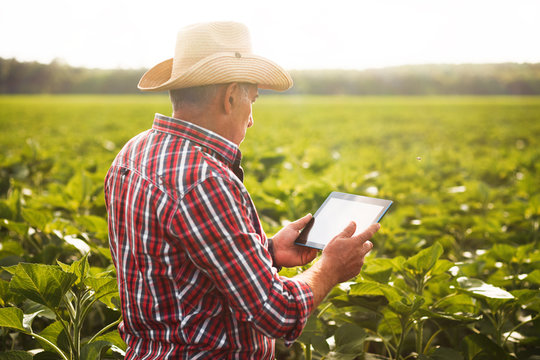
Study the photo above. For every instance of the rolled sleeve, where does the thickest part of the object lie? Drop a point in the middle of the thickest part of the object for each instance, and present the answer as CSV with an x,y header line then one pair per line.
x,y
215,224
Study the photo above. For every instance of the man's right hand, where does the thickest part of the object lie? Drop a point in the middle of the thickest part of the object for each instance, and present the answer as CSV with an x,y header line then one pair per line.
x,y
341,260
344,255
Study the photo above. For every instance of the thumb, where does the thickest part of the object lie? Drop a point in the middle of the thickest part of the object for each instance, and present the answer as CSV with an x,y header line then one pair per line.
x,y
301,223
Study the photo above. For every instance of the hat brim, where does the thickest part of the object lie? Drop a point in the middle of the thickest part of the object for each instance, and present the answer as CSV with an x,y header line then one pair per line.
x,y
219,68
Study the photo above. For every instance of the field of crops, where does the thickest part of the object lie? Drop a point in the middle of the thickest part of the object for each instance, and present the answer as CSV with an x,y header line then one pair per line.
x,y
455,270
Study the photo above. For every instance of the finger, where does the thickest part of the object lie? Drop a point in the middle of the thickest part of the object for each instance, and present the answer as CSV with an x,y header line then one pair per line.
x,y
369,232
301,223
348,231
366,247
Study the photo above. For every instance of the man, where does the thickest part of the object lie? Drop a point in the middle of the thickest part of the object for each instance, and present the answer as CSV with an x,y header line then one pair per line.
x,y
197,275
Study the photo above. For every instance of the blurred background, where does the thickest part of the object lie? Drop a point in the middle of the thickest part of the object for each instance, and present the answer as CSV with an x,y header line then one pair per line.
x,y
350,47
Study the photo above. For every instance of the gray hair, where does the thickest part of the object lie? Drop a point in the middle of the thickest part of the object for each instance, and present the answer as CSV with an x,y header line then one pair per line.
x,y
199,95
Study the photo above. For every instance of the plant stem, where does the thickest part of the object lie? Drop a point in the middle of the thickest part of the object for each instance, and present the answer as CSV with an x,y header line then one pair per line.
x,y
436,303
500,317
518,326
60,352
400,344
391,328
77,328
428,344
69,306
105,329
308,351
387,346
404,331
66,329
419,336
323,310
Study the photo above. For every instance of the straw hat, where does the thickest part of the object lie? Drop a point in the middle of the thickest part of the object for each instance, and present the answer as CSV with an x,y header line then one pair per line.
x,y
214,53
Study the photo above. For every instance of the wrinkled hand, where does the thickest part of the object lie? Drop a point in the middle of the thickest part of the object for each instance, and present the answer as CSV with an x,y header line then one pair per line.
x,y
286,252
344,255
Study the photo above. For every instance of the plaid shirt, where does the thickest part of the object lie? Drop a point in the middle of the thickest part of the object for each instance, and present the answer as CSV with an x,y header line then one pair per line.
x,y
195,277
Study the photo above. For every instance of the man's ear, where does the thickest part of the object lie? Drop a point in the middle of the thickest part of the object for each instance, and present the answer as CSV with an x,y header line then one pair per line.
x,y
231,97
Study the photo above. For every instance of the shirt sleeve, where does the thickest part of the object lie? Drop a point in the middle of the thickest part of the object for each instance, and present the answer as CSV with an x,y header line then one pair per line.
x,y
213,224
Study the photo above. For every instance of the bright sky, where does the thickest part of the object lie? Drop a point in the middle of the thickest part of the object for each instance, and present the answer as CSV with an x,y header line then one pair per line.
x,y
297,34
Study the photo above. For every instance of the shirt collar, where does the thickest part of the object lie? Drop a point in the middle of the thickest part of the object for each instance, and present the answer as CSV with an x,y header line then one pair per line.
x,y
224,149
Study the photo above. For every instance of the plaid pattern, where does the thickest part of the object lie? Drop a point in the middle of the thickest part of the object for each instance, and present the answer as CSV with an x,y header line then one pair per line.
x,y
196,280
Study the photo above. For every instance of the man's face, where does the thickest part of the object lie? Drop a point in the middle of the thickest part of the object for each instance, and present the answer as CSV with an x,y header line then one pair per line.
x,y
243,117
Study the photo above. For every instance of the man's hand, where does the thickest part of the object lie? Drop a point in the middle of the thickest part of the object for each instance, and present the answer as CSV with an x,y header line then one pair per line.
x,y
344,255
341,259
286,252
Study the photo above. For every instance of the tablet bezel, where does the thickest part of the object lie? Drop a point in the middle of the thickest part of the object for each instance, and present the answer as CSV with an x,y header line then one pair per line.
x,y
349,197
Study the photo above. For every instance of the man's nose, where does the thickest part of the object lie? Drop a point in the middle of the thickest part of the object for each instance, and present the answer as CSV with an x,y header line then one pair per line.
x,y
251,121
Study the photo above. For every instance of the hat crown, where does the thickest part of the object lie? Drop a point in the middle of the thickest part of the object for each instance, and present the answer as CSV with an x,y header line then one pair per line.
x,y
200,41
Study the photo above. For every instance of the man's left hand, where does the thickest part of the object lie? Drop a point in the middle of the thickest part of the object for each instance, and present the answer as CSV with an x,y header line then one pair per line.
x,y
286,252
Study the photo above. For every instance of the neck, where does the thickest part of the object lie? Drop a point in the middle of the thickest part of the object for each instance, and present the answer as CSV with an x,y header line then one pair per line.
x,y
205,118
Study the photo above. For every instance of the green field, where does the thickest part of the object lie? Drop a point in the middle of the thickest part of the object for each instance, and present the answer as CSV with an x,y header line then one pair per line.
x,y
455,271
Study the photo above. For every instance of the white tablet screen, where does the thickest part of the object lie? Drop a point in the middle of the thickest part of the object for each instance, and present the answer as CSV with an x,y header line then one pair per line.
x,y
337,212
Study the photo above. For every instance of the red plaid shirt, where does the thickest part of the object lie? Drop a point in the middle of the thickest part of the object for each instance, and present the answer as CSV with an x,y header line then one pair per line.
x,y
195,277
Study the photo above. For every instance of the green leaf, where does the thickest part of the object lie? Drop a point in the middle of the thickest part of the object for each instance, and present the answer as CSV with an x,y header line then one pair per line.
x,y
528,299
524,252
350,339
36,218
44,284
459,317
443,353
30,307
478,288
28,319
15,355
392,294
94,224
7,296
106,290
378,270
442,266
534,277
369,302
10,269
79,187
56,334
93,350
492,296
398,262
47,355
400,307
17,227
425,260
363,288
4,292
80,268
5,210
319,344
487,348
12,317
502,252
115,339
11,248
314,327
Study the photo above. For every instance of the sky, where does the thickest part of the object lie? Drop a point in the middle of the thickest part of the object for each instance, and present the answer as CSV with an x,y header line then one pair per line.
x,y
297,34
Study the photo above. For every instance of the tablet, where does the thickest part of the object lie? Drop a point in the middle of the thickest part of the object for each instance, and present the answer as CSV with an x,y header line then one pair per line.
x,y
337,211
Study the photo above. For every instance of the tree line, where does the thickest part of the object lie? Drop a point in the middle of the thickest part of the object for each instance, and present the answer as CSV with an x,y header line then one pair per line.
x,y
437,79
